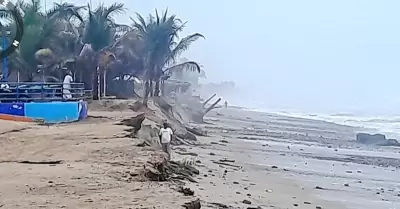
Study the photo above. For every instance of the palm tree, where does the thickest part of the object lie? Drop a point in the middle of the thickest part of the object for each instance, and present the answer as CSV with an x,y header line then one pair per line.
x,y
43,42
98,35
162,47
6,26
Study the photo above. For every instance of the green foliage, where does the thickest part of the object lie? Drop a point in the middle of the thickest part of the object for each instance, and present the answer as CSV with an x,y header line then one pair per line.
x,y
150,47
160,33
100,26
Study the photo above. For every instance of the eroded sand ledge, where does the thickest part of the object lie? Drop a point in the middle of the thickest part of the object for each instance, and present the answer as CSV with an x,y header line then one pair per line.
x,y
280,167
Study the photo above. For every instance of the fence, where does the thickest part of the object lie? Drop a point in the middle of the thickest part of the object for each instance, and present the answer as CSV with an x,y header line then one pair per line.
x,y
41,92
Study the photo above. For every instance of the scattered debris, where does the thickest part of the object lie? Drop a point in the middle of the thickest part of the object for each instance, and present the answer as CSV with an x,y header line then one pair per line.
x,y
196,131
247,202
186,191
219,205
170,170
143,144
227,164
187,153
195,204
55,162
226,160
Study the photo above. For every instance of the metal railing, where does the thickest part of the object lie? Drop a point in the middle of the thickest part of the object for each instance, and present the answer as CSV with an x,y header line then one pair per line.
x,y
42,92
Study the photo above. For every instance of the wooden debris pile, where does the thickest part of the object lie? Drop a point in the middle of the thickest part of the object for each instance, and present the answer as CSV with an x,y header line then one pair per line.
x,y
170,170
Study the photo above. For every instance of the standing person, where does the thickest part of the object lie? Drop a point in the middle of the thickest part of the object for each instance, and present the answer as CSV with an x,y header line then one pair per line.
x,y
165,139
226,104
67,85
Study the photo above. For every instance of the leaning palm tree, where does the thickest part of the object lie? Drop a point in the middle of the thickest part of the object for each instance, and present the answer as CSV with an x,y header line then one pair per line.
x,y
160,35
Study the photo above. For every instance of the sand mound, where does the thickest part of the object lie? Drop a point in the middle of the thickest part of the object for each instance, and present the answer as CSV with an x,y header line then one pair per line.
x,y
111,105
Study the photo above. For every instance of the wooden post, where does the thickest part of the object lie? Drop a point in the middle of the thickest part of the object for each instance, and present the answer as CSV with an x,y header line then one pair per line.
x,y
104,83
98,83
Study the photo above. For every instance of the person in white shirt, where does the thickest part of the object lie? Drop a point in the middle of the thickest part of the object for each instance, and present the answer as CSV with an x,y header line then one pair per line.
x,y
165,135
67,85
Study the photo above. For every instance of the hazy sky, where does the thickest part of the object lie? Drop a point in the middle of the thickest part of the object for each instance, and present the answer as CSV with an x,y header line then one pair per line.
x,y
309,55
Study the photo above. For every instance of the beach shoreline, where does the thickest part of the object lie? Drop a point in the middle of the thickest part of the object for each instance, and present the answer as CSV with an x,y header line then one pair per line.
x,y
318,162
248,160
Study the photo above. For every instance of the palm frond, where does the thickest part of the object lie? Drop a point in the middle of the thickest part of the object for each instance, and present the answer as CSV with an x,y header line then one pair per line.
x,y
66,11
189,65
182,46
140,25
116,8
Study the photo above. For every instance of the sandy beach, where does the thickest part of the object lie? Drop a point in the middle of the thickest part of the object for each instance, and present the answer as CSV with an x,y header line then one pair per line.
x,y
248,160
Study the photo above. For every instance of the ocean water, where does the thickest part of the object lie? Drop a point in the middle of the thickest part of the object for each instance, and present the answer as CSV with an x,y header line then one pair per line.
x,y
388,125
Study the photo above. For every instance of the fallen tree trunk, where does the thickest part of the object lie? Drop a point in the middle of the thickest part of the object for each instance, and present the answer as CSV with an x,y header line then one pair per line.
x,y
198,116
209,99
212,106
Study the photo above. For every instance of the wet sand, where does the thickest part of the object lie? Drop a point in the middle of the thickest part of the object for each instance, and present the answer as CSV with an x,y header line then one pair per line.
x,y
294,163
279,162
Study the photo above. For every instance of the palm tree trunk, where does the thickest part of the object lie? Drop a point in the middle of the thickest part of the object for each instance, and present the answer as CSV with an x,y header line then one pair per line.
x,y
157,89
104,83
98,83
95,85
163,87
151,88
146,92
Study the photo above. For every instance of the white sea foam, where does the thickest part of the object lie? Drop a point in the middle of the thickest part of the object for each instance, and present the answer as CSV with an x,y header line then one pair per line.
x,y
389,125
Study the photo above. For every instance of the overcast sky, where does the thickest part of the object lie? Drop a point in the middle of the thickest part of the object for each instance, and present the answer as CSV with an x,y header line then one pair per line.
x,y
308,55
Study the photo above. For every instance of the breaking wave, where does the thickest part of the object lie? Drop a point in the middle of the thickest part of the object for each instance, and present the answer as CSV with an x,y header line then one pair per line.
x,y
389,125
